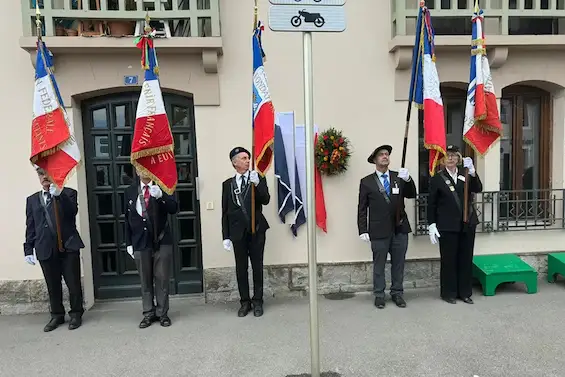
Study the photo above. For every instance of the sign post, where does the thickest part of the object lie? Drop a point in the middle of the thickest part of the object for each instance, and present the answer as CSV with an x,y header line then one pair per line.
x,y
309,16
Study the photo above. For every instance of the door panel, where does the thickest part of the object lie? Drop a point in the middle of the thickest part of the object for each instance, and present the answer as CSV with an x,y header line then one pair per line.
x,y
108,128
524,156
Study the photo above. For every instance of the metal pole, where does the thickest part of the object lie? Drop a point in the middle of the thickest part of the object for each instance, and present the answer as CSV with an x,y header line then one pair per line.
x,y
311,203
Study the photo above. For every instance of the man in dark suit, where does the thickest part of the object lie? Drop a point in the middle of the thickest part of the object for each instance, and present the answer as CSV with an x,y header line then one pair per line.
x,y
56,241
445,216
236,228
381,196
149,242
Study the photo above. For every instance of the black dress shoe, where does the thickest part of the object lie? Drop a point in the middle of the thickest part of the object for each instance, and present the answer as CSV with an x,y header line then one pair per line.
x,y
147,321
244,310
467,300
75,323
380,303
399,301
449,300
165,321
258,310
54,323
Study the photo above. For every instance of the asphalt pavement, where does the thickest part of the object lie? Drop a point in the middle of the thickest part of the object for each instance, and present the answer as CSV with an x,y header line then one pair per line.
x,y
512,334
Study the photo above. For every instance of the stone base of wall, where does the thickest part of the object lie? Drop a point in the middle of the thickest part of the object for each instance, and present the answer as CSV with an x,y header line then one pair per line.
x,y
292,280
26,297
220,284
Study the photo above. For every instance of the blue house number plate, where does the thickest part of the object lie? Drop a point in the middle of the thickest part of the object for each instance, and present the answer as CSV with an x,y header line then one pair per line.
x,y
130,80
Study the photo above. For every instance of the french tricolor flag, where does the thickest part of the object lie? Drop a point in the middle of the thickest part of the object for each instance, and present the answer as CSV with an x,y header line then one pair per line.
x,y
482,126
152,149
263,110
425,90
53,146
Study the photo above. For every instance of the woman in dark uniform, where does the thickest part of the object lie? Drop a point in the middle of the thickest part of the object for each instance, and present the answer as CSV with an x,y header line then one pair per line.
x,y
455,236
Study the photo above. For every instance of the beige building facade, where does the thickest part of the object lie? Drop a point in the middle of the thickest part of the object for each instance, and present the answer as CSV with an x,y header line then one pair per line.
x,y
361,82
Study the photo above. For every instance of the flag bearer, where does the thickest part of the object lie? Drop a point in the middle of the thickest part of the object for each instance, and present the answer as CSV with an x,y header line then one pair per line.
x,y
55,239
149,242
381,197
445,216
237,231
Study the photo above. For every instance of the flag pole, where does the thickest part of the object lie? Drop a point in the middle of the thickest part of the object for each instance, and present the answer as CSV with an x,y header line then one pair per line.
x,y
466,185
255,20
406,129
311,202
40,51
147,29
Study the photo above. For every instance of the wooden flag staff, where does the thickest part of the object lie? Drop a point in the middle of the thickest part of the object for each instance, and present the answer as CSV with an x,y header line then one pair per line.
x,y
255,20
55,201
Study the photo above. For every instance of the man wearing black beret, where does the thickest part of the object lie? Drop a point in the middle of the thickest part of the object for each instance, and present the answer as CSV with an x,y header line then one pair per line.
x,y
382,223
237,231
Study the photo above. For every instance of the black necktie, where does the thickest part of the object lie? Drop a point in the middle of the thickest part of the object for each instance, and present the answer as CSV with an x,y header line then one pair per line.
x,y
47,198
243,183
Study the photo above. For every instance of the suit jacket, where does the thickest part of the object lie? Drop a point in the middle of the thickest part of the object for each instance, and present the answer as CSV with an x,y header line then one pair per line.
x,y
140,231
40,236
382,221
236,223
443,209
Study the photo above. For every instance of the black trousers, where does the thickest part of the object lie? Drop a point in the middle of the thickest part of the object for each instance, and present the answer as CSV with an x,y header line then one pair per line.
x,y
456,274
154,269
251,247
64,265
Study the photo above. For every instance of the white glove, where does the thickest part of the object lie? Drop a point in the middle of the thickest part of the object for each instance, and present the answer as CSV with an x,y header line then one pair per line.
x,y
228,246
365,237
433,233
30,259
155,191
254,177
129,249
54,190
468,163
403,174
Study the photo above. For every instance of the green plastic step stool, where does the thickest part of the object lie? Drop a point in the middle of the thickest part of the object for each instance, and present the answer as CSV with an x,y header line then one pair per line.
x,y
492,270
555,265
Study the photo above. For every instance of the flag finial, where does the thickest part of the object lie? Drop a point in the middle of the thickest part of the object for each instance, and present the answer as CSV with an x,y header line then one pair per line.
x,y
147,26
38,19
255,15
477,8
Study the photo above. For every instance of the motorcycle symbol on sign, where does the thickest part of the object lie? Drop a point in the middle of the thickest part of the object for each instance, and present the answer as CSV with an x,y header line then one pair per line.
x,y
314,18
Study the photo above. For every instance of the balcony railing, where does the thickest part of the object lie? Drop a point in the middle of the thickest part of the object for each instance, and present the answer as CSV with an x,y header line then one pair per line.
x,y
172,18
501,211
502,17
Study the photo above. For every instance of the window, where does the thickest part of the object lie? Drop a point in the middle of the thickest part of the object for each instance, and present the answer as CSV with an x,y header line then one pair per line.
x,y
525,154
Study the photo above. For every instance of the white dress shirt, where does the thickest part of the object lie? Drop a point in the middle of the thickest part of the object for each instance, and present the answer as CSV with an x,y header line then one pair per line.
x,y
238,182
380,175
453,175
44,196
238,179
138,207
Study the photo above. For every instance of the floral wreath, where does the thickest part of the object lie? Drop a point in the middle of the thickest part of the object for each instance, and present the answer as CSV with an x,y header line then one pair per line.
x,y
332,152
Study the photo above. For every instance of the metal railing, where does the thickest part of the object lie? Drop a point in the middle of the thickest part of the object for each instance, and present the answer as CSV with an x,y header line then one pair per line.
x,y
502,17
502,211
180,18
